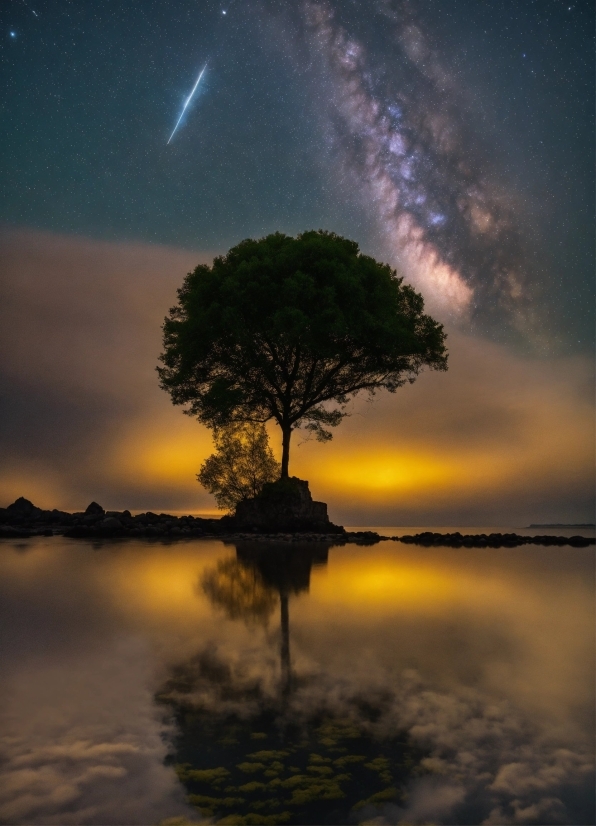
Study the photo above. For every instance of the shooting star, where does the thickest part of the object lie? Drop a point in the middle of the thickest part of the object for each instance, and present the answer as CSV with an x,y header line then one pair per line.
x,y
194,89
30,9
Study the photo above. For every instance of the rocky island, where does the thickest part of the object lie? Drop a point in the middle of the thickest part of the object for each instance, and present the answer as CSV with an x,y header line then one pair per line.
x,y
284,511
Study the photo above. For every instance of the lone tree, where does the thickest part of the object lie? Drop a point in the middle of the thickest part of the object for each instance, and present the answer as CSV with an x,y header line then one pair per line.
x,y
242,463
290,329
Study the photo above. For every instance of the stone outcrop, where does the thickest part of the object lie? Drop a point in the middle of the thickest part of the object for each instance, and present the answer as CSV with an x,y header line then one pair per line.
x,y
22,508
94,510
284,506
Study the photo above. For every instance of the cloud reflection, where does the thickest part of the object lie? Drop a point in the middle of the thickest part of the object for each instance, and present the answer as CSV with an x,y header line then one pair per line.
x,y
83,745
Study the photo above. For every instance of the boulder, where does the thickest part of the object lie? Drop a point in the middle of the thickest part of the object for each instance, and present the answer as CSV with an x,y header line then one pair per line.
x,y
284,506
110,524
23,507
94,510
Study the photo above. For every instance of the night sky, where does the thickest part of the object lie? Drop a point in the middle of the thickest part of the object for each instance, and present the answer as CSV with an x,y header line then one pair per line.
x,y
453,139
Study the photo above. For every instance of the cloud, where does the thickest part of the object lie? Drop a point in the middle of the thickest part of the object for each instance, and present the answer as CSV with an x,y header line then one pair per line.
x,y
500,438
82,748
81,327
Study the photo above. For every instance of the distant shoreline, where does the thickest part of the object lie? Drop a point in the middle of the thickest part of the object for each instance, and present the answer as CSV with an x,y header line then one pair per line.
x,y
564,525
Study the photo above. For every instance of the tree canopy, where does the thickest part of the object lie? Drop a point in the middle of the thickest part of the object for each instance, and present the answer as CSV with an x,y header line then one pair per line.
x,y
290,329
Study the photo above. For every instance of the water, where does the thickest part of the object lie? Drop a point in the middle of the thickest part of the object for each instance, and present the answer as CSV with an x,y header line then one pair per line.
x,y
145,682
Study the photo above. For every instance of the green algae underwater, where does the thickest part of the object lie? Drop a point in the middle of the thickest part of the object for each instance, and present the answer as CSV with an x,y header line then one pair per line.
x,y
285,768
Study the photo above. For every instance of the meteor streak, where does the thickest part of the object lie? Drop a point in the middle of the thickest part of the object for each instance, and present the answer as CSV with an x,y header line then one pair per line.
x,y
194,89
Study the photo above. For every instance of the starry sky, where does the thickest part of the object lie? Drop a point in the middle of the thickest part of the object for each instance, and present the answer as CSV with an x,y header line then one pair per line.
x,y
453,139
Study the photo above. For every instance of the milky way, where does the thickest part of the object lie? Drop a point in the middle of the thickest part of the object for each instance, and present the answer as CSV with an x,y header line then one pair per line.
x,y
402,140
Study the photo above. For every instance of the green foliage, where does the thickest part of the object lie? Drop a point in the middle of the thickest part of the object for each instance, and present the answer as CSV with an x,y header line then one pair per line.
x,y
242,463
290,329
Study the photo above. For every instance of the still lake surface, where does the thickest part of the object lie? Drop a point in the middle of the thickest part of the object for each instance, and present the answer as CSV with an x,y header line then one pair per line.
x,y
145,682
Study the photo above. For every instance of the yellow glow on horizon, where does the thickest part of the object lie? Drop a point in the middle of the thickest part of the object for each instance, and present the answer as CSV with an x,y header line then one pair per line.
x,y
172,455
168,453
379,458
172,459
383,471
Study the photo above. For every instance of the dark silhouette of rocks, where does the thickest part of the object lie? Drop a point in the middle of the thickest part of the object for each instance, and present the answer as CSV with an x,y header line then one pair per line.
x,y
93,509
23,508
23,519
284,506
492,540
293,518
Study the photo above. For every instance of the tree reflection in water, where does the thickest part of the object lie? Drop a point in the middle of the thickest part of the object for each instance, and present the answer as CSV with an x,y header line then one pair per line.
x,y
250,755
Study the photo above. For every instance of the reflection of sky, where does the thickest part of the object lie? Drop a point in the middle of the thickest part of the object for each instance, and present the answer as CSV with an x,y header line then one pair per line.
x,y
487,656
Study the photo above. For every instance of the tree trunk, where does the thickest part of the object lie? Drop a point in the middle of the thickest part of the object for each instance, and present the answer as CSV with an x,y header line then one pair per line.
x,y
285,452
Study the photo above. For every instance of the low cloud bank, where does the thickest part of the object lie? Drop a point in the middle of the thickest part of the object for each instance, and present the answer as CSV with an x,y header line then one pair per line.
x,y
500,438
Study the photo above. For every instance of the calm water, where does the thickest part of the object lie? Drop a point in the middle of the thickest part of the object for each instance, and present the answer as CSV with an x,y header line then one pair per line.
x,y
147,682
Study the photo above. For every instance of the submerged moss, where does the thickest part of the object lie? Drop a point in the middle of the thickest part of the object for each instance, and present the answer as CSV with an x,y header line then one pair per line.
x,y
250,768
337,765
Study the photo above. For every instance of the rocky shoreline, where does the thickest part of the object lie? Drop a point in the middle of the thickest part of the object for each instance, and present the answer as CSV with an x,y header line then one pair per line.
x,y
492,540
22,519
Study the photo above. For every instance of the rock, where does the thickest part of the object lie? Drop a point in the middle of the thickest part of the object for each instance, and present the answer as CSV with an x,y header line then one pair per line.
x,y
8,532
580,541
78,532
494,540
364,537
94,509
281,507
23,507
110,524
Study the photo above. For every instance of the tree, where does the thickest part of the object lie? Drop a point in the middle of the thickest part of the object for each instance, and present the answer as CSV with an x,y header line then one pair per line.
x,y
290,329
242,464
